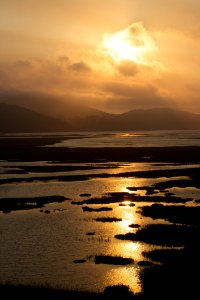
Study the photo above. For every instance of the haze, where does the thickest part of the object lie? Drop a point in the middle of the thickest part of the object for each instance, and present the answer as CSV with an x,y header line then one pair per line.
x,y
114,55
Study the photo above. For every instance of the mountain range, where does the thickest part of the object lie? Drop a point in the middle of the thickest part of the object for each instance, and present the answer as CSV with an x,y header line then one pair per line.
x,y
42,113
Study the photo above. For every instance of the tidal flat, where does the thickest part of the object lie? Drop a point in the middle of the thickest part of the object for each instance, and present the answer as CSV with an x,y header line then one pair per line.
x,y
86,219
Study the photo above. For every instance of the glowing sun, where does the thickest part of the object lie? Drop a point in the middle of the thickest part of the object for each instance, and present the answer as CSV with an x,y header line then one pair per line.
x,y
132,44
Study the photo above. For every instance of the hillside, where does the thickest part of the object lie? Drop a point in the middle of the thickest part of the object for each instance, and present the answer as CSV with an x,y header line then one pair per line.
x,y
56,107
35,112
17,119
152,119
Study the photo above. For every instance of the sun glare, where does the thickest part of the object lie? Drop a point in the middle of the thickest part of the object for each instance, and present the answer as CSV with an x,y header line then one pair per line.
x,y
130,44
120,49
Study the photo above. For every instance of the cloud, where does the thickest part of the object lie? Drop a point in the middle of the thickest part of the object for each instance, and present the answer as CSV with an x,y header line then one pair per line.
x,y
139,36
124,97
129,90
63,59
94,78
56,75
193,87
76,81
128,68
132,43
79,67
23,64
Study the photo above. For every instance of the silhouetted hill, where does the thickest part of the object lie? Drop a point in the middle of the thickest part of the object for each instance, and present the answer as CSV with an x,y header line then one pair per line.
x,y
160,118
17,119
152,119
49,105
49,113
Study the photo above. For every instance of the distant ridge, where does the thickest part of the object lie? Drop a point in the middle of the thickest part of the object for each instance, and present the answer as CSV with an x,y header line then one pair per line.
x,y
15,119
36,113
161,118
50,105
151,119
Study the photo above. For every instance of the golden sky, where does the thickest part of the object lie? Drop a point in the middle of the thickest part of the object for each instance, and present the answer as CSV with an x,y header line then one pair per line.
x,y
115,55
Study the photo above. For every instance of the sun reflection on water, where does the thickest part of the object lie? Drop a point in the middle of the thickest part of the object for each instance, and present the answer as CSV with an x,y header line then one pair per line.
x,y
129,216
127,202
128,276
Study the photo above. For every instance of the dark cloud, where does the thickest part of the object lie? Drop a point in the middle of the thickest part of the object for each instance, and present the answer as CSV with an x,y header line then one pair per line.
x,y
124,97
23,64
63,59
193,87
123,104
136,33
80,67
53,75
129,90
128,68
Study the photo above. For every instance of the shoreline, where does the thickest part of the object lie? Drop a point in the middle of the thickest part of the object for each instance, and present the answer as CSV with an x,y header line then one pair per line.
x,y
33,149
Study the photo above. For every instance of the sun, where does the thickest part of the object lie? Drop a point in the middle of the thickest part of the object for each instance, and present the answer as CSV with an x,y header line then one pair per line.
x,y
130,44
120,49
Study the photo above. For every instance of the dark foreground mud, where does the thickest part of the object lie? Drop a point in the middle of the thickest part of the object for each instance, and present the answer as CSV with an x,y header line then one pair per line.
x,y
32,149
9,204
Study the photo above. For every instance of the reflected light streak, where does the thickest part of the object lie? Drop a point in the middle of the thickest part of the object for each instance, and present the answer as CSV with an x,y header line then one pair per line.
x,y
126,202
128,217
124,275
131,135
132,249
125,190
129,275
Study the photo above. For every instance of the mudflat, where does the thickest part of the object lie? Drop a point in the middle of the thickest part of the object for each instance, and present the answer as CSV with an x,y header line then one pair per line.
x,y
168,271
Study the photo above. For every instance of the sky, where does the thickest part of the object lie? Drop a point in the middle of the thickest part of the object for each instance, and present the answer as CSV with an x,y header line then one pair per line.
x,y
114,55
